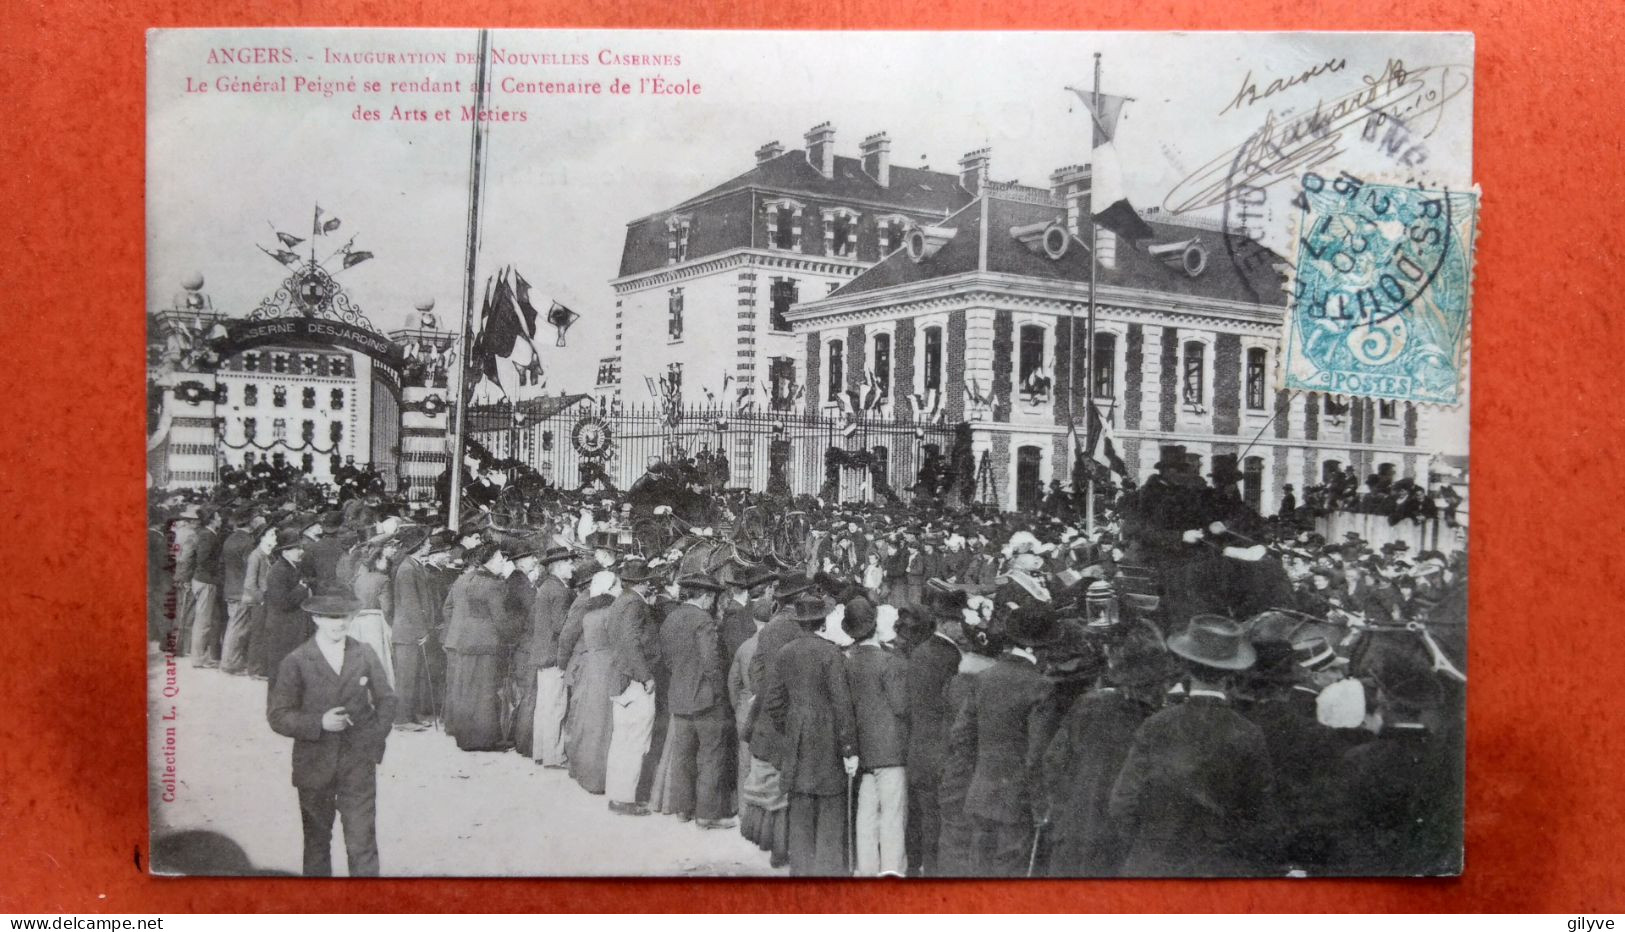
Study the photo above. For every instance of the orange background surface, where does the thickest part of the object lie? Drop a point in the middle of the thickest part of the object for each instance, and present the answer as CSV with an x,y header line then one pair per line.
x,y
1545,799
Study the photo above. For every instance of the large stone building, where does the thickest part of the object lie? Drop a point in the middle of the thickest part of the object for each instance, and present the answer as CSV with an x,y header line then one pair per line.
x,y
705,287
984,310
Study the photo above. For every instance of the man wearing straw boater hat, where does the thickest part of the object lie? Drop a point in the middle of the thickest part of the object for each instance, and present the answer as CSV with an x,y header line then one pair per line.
x,y
332,696
1196,794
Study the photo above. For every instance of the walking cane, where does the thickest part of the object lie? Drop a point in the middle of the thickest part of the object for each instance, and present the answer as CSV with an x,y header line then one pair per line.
x,y
428,674
851,835
1032,857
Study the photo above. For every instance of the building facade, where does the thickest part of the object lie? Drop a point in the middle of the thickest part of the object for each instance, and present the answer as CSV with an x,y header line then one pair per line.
x,y
706,287
981,318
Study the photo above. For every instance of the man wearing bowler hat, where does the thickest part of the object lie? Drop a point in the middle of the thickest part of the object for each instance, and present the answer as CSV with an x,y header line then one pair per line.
x,y
332,697
632,706
1195,797
547,616
697,697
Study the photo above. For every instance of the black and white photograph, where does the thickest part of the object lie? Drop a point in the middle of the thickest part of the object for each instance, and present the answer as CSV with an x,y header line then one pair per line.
x,y
630,453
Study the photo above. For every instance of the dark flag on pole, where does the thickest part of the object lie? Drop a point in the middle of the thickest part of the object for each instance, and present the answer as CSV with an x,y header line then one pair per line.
x,y
1102,445
505,343
288,239
281,255
356,258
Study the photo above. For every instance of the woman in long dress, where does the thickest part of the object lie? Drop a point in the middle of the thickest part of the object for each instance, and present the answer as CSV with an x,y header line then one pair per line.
x,y
371,624
589,643
483,630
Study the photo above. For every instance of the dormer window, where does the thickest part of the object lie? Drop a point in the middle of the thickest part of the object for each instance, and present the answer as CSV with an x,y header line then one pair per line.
x,y
251,362
890,231
308,363
840,232
279,362
783,223
677,230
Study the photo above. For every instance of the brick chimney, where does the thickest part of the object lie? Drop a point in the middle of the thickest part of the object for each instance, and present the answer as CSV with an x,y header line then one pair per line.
x,y
973,169
769,152
821,149
877,158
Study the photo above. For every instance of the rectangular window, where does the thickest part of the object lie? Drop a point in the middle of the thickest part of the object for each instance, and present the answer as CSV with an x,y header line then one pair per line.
x,y
335,431
251,395
782,236
338,367
309,397
250,427
783,294
781,381
933,359
845,238
1388,410
1032,353
1105,365
251,362
882,363
279,396
279,429
307,431
674,315
308,363
279,362
1334,407
1195,376
307,462
338,399
837,369
1257,378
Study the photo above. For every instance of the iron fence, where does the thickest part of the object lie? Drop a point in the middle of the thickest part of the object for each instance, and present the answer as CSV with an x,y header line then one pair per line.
x,y
638,437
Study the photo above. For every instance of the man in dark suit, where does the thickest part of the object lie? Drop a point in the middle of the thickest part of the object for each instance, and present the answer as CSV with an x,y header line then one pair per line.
x,y
809,701
632,706
697,698
323,552
1195,797
547,616
930,666
233,567
286,623
332,696
208,622
1000,739
878,680
417,607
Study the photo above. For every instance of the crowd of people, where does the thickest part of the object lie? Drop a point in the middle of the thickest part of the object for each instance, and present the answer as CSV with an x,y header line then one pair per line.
x,y
1185,689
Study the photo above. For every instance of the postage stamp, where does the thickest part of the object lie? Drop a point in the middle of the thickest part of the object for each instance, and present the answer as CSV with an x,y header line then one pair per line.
x,y
1381,290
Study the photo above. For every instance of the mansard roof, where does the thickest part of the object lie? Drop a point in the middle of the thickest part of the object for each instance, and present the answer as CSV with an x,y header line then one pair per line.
x,y
910,189
1253,281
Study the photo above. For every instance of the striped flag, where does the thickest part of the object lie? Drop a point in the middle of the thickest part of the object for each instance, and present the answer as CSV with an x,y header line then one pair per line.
x,y
1109,196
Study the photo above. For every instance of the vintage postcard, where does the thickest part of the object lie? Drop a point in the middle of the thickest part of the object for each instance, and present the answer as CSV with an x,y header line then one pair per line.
x,y
636,453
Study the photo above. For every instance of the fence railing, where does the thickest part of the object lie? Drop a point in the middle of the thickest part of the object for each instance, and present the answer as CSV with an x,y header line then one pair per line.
x,y
747,440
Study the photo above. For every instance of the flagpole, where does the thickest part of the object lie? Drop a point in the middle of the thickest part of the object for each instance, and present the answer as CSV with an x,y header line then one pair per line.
x,y
476,190
1089,336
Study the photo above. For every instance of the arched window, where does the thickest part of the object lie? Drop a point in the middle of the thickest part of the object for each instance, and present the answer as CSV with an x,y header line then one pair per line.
x,y
1257,378
881,367
837,370
932,352
1105,365
1195,381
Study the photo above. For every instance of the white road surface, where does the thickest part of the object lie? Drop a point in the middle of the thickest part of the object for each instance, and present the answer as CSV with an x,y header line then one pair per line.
x,y
441,811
